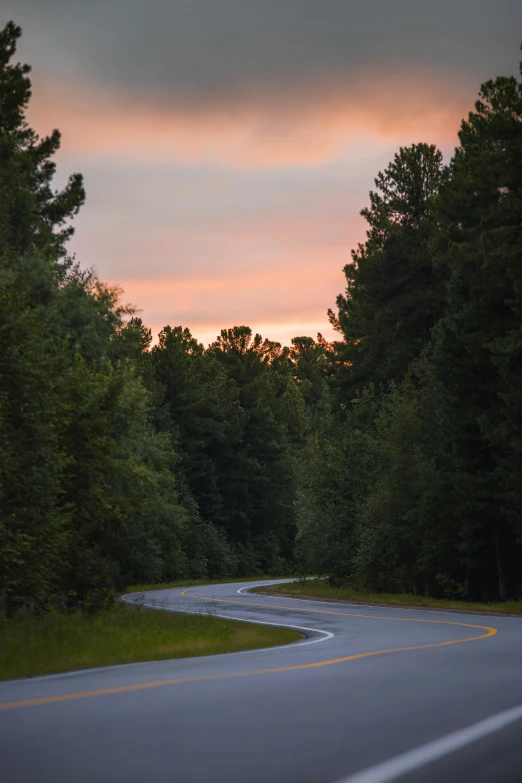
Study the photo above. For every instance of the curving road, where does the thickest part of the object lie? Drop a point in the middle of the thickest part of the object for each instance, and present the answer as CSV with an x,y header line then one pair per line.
x,y
370,695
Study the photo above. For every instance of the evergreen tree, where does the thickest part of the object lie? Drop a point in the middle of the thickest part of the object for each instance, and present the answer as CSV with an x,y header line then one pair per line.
x,y
311,362
32,215
88,495
204,408
394,294
417,486
34,518
260,489
477,345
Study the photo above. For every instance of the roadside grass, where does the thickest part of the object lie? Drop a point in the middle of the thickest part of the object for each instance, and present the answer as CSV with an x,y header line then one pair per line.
x,y
32,645
319,588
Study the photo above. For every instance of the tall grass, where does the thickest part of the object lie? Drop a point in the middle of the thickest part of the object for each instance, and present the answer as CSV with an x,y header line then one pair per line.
x,y
319,588
32,644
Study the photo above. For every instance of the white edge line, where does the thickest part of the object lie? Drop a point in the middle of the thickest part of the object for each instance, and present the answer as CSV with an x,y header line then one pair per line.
x,y
432,751
325,635
265,584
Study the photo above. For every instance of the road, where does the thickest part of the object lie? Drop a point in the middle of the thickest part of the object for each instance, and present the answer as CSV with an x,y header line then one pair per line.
x,y
370,695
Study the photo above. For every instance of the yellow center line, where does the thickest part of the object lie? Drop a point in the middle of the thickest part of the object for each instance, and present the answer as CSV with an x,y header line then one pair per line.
x,y
204,678
492,631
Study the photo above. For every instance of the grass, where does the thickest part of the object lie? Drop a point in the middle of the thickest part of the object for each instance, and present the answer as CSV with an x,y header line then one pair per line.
x,y
32,645
318,588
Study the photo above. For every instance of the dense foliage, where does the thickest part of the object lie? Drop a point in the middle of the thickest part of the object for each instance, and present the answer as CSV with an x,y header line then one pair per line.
x,y
390,459
412,479
119,463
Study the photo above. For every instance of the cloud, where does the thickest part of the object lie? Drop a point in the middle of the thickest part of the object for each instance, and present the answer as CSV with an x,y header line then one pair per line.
x,y
309,128
228,145
264,248
279,302
204,50
280,267
142,221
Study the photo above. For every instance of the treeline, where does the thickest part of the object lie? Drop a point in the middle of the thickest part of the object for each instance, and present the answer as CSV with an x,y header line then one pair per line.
x,y
390,459
120,463
411,479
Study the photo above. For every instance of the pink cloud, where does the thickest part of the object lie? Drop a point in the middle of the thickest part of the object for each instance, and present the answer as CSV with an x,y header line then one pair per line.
x,y
281,299
222,249
309,128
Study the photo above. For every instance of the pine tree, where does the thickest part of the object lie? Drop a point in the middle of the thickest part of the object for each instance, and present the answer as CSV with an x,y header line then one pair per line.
x,y
204,408
394,294
32,215
88,495
260,487
477,347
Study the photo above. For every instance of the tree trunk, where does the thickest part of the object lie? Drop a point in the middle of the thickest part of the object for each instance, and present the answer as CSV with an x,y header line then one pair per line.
x,y
500,573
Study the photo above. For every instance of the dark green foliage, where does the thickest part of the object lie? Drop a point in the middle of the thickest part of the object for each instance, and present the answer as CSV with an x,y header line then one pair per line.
x,y
32,215
237,411
394,293
120,462
208,554
34,519
259,487
311,362
395,453
88,495
203,406
477,345
331,480
414,483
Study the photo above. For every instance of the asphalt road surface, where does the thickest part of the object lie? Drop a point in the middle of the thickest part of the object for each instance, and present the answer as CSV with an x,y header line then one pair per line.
x,y
371,695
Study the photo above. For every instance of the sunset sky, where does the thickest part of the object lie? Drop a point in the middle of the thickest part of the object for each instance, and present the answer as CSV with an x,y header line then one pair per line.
x,y
228,145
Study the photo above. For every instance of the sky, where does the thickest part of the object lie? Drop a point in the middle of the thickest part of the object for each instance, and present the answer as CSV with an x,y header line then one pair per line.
x,y
228,146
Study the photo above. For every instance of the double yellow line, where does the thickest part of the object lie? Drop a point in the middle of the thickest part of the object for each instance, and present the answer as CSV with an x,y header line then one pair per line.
x,y
180,680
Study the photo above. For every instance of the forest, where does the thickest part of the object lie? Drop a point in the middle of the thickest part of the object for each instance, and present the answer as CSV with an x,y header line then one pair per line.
x,y
389,459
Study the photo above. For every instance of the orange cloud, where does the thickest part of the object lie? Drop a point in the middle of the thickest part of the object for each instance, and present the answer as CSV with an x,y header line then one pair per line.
x,y
225,248
265,269
311,127
292,290
280,301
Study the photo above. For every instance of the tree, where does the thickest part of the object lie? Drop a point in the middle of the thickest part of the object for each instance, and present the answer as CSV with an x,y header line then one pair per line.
x,y
89,499
477,345
394,293
260,488
34,517
431,498
311,362
32,215
204,408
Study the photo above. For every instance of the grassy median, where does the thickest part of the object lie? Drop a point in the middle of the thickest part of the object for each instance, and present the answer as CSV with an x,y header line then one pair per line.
x,y
319,588
31,645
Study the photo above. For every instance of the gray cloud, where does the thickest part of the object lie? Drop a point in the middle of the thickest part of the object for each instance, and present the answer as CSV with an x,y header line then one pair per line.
x,y
206,49
215,221
203,245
